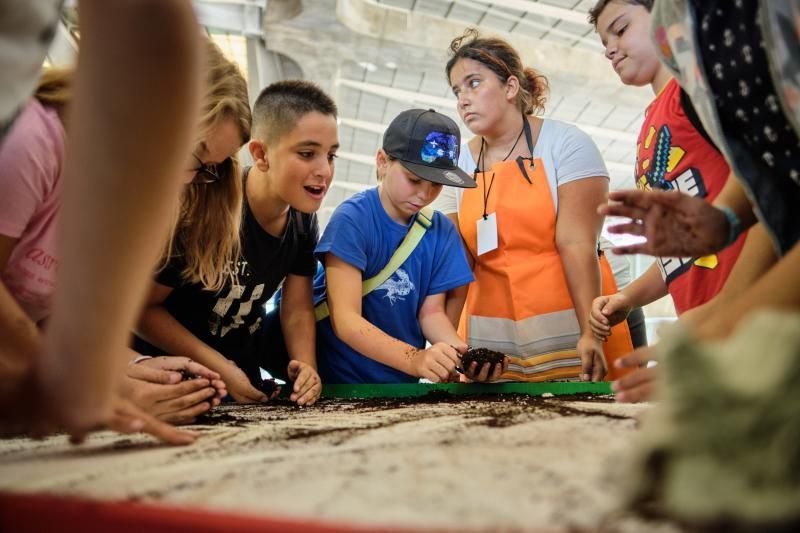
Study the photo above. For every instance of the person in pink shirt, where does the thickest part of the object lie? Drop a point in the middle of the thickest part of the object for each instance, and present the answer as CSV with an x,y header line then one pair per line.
x,y
31,189
131,126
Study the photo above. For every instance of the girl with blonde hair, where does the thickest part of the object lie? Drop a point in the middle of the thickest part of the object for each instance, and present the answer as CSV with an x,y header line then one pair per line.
x,y
205,239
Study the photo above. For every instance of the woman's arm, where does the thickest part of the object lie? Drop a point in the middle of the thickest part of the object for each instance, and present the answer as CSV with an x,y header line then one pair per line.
x,y
577,230
436,363
300,333
158,327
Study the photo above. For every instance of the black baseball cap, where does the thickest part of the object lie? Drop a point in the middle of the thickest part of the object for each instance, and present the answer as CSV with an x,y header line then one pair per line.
x,y
427,143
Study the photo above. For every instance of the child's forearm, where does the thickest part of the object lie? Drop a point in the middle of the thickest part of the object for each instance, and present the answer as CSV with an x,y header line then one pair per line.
x,y
454,304
299,333
778,289
756,257
371,341
647,288
158,327
733,196
437,327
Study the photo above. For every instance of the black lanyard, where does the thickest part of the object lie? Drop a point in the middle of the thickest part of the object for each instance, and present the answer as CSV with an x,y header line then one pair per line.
x,y
526,129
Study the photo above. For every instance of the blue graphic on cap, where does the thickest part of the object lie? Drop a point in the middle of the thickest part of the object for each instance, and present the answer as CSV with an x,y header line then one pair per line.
x,y
440,146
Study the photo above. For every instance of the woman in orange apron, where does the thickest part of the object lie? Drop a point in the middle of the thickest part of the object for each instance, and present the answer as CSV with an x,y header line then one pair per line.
x,y
531,226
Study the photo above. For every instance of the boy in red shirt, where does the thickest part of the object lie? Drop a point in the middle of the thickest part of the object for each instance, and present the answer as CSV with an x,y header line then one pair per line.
x,y
673,153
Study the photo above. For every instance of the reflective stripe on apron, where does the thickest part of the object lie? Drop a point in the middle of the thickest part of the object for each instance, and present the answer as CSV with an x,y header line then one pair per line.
x,y
519,303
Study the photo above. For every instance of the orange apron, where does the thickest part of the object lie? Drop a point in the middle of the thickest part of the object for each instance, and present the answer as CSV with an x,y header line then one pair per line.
x,y
519,303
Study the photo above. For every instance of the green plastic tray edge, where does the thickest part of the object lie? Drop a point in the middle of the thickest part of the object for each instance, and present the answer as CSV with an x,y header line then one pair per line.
x,y
406,390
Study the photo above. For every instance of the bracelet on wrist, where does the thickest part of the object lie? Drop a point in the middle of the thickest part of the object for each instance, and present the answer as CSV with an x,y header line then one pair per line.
x,y
734,225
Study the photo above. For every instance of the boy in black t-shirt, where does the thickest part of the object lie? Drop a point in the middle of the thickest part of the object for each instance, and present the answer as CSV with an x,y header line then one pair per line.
x,y
294,143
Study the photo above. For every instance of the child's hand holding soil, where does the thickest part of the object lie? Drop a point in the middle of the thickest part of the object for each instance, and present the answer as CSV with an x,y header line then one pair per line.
x,y
481,364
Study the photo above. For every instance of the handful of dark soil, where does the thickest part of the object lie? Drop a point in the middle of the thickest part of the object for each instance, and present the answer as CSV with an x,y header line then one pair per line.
x,y
267,386
186,375
481,356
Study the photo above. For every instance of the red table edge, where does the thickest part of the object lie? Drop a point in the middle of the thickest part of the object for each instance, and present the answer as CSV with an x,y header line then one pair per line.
x,y
21,513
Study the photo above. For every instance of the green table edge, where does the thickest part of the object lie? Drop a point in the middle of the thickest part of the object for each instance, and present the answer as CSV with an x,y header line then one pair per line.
x,y
407,390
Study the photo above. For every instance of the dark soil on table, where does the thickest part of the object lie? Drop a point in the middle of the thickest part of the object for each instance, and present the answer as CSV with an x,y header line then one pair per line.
x,y
493,410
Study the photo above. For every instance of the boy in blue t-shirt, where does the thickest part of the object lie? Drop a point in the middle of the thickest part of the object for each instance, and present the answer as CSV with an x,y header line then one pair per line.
x,y
380,338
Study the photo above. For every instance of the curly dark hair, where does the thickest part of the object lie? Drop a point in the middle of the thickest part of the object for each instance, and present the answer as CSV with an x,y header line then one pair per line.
x,y
502,59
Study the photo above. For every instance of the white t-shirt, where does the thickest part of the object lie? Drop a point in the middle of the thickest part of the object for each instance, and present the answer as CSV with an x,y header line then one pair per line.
x,y
620,265
568,154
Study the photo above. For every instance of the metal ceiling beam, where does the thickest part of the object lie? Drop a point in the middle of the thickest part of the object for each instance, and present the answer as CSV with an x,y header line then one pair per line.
x,y
350,185
591,42
63,50
607,133
372,127
401,95
539,8
358,158
414,98
243,17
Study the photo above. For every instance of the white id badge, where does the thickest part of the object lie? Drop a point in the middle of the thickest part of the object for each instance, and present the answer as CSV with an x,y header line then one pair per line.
x,y
487,234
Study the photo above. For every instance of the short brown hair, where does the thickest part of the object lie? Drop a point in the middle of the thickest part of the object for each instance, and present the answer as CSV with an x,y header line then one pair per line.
x,y
502,59
598,8
282,104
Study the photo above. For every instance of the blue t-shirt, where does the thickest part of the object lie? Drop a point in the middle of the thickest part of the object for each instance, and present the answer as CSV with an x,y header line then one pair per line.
x,y
361,233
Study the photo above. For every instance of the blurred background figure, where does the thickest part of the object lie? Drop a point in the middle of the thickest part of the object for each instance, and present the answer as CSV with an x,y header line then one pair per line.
x,y
130,125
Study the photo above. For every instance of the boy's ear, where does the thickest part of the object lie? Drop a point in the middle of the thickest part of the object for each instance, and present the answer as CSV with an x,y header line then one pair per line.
x,y
259,152
381,160
512,87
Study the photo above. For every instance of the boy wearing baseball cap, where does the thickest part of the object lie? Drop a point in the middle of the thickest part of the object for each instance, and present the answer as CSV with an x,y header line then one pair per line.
x,y
380,337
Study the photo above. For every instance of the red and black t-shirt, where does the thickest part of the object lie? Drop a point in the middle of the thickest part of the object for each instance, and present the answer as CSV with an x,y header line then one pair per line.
x,y
671,154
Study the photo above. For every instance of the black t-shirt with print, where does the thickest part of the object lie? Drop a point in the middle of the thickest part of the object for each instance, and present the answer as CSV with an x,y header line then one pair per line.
x,y
228,321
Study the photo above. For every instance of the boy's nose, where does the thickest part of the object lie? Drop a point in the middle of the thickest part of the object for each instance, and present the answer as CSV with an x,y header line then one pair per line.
x,y
427,192
610,51
325,170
